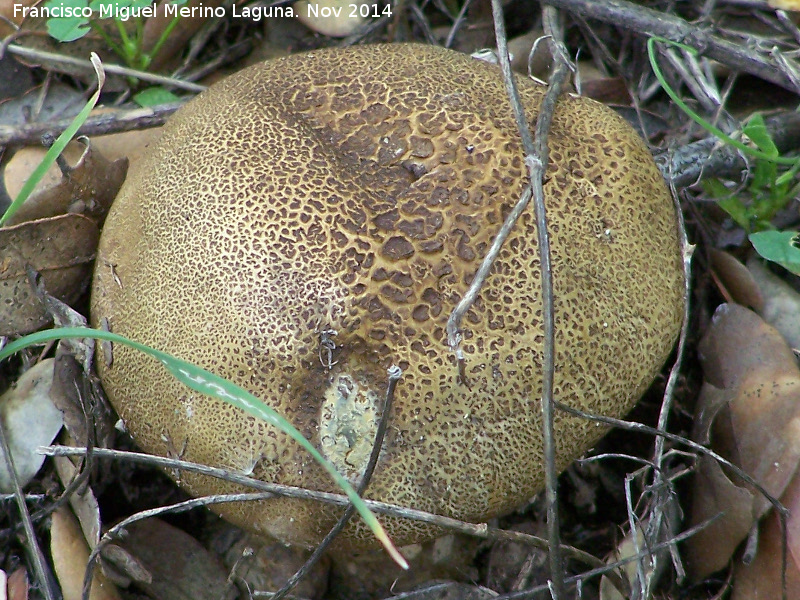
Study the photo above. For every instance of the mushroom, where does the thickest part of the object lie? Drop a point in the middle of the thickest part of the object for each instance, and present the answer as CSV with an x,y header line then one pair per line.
x,y
309,222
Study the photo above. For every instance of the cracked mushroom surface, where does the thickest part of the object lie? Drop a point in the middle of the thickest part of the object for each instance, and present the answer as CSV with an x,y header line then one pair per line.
x,y
310,221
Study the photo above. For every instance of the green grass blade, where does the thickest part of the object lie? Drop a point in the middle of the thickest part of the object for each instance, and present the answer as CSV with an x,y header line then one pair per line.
x,y
651,42
59,145
205,382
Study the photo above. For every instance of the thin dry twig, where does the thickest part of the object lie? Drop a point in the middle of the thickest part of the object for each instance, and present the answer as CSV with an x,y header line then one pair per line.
x,y
454,336
229,56
664,498
43,574
199,42
479,530
42,55
782,511
608,569
28,497
702,91
557,80
459,21
536,158
117,532
645,20
688,164
98,124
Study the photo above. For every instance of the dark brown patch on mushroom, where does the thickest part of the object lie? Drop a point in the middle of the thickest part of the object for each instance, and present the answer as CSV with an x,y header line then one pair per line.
x,y
397,247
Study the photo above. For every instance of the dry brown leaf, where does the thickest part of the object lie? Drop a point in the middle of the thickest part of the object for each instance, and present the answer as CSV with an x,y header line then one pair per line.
x,y
737,281
132,145
749,409
765,424
24,162
608,90
179,566
781,307
29,420
711,549
69,384
70,556
10,15
61,249
65,393
739,343
18,585
83,502
85,507
762,578
89,187
17,79
41,104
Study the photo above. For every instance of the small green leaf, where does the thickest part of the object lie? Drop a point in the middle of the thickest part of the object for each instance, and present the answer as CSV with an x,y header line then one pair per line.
x,y
756,130
764,175
765,171
782,247
154,96
732,205
715,188
786,179
67,29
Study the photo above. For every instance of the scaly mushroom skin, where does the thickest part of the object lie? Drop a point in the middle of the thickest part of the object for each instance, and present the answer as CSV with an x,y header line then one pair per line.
x,y
310,221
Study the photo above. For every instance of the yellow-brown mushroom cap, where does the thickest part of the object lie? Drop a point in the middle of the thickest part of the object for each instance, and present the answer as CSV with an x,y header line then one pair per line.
x,y
311,221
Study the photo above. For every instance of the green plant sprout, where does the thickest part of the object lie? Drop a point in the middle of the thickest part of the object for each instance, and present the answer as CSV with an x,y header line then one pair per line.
x,y
129,47
154,96
207,383
769,190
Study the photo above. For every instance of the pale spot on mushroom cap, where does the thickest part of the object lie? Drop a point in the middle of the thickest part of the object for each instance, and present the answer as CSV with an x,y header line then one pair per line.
x,y
348,424
358,190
